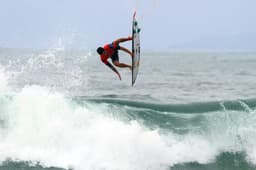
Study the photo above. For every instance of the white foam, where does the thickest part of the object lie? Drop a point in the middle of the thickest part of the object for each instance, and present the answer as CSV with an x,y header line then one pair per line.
x,y
45,126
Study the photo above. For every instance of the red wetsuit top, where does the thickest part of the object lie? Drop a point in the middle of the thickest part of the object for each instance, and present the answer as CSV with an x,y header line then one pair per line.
x,y
109,50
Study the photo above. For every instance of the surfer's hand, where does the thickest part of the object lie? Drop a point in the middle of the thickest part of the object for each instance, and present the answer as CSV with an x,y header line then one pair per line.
x,y
129,38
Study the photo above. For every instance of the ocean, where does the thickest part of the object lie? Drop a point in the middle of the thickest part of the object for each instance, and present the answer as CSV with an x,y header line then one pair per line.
x,y
63,109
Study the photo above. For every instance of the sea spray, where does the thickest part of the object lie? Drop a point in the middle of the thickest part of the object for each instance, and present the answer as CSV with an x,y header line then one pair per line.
x,y
3,80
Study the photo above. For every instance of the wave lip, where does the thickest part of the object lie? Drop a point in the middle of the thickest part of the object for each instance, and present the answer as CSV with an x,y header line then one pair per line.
x,y
202,107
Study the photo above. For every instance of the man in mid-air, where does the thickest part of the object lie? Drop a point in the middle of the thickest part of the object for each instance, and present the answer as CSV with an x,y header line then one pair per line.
x,y
111,51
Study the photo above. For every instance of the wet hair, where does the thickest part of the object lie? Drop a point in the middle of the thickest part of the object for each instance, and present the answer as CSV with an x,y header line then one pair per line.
x,y
100,50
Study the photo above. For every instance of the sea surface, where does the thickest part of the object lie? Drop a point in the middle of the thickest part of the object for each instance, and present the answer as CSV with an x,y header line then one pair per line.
x,y
63,109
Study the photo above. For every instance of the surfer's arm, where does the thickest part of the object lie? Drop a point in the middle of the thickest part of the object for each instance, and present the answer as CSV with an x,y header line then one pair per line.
x,y
114,69
126,50
120,40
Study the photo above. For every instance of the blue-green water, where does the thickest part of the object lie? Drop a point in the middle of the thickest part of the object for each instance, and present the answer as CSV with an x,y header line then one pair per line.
x,y
188,111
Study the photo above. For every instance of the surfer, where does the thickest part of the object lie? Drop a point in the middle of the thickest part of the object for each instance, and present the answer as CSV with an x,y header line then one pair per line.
x,y
111,51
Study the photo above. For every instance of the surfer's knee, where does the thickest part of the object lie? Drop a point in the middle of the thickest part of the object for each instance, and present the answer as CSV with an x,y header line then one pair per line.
x,y
116,63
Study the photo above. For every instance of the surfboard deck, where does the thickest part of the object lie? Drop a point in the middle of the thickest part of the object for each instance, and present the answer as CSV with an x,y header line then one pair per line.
x,y
135,48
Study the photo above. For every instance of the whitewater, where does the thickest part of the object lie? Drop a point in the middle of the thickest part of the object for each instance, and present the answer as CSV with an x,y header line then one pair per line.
x,y
63,109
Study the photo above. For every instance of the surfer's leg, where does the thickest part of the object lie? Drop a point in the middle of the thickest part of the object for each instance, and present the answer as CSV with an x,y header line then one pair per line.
x,y
122,65
115,61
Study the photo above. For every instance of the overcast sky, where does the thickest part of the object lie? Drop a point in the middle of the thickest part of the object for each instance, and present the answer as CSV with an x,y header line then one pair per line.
x,y
166,24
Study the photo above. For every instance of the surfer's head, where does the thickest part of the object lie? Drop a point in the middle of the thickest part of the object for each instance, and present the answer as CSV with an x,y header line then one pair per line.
x,y
100,50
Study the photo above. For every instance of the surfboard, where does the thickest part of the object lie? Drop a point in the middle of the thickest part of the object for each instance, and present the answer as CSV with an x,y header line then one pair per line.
x,y
135,48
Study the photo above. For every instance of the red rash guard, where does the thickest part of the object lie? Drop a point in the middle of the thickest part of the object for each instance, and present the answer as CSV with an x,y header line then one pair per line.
x,y
109,50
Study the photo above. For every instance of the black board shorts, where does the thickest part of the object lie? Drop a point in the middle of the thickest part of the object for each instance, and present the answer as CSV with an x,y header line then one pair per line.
x,y
115,56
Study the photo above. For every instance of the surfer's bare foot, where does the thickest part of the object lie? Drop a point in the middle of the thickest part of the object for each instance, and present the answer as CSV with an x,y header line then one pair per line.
x,y
130,67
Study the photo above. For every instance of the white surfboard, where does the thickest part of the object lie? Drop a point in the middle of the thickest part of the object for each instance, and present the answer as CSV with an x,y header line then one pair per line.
x,y
135,48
